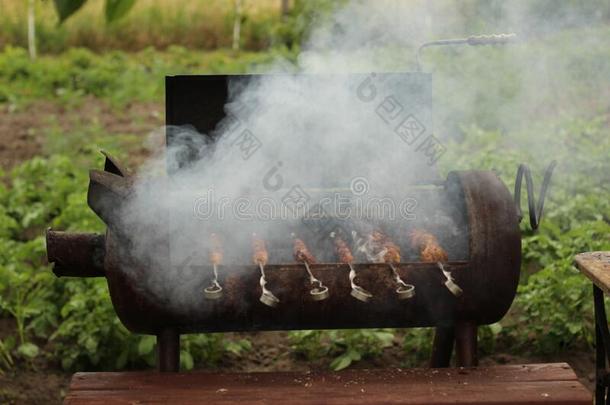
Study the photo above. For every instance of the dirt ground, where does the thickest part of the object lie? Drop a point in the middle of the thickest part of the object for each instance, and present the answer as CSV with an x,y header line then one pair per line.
x,y
23,132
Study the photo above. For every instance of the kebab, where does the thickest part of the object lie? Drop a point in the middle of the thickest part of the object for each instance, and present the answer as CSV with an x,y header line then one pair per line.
x,y
345,256
260,256
379,248
302,255
430,251
214,290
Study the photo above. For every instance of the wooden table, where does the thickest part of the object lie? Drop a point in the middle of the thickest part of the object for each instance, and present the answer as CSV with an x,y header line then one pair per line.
x,y
515,384
596,266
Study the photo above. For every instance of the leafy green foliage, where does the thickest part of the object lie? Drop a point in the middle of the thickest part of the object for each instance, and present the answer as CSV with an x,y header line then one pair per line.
x,y
6,360
553,309
72,320
115,76
346,346
116,9
113,10
294,29
65,8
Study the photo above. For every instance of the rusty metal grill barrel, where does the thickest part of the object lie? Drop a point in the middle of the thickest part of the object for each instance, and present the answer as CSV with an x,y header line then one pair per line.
x,y
484,261
488,278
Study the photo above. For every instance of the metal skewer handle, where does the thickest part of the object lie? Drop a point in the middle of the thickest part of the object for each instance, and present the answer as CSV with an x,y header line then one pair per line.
x,y
450,282
405,291
214,290
320,292
267,296
357,292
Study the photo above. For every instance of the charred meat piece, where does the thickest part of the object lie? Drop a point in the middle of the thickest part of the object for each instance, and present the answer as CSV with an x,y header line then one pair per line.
x,y
301,253
259,250
429,249
382,242
215,250
392,254
343,251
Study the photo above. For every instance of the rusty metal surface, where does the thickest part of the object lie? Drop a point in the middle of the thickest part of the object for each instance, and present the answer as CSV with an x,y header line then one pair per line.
x,y
112,165
466,344
489,278
495,245
75,254
240,309
168,351
442,346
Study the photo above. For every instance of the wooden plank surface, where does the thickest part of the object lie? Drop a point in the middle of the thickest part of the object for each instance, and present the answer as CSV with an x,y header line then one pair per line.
x,y
596,266
527,384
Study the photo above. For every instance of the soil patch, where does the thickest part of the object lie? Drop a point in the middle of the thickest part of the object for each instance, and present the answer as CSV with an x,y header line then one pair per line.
x,y
22,132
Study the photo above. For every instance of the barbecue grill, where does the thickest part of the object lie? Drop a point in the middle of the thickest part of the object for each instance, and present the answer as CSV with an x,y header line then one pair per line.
x,y
472,213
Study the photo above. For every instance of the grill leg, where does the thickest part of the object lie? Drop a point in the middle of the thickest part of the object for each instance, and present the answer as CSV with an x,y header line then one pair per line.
x,y
466,344
168,351
442,346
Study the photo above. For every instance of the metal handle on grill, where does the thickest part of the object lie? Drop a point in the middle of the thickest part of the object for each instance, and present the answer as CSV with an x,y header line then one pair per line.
x,y
495,39
475,40
535,210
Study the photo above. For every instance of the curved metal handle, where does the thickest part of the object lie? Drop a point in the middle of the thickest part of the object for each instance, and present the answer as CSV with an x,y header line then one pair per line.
x,y
476,40
535,210
494,39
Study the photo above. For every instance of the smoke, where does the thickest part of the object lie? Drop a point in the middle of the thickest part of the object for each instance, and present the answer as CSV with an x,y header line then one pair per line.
x,y
332,121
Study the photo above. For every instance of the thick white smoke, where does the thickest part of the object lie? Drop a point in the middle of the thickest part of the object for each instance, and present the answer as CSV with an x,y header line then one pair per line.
x,y
337,121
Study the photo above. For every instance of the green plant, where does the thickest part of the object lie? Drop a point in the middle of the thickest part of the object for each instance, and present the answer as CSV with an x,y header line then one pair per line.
x,y
113,9
115,77
346,346
6,360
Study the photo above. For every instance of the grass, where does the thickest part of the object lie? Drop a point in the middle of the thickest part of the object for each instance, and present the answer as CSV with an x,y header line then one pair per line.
x,y
157,23
115,77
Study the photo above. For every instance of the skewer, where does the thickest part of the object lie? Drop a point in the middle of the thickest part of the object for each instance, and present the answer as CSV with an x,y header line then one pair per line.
x,y
404,290
357,292
260,257
345,256
450,283
214,290
388,252
267,297
432,252
319,291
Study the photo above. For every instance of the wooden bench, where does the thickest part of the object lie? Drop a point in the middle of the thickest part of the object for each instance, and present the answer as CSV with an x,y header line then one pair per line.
x,y
514,384
596,266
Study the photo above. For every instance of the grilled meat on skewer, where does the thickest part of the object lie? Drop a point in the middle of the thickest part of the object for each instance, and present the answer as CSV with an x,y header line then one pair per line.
x,y
392,254
430,251
215,250
383,247
343,251
345,256
260,256
388,252
214,290
301,253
